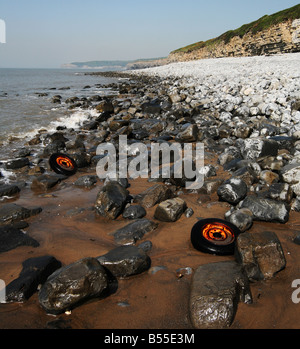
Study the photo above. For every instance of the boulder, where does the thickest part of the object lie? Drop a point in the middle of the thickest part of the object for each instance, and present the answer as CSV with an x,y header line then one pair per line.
x,y
111,200
73,284
45,182
189,133
9,189
134,212
215,293
12,237
87,181
17,163
12,212
35,271
254,148
267,210
232,190
280,191
241,218
125,261
134,231
153,195
261,254
170,210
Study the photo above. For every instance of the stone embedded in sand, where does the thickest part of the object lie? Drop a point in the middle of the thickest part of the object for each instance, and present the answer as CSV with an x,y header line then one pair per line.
x,y
216,291
134,231
261,254
267,210
170,210
87,181
125,261
13,212
9,189
134,212
45,182
35,271
111,200
73,284
11,237
233,190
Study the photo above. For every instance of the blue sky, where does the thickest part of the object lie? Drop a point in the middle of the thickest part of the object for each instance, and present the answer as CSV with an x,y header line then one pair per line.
x,y
46,34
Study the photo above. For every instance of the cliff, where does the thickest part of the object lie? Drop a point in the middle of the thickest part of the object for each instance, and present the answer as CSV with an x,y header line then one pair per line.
x,y
274,34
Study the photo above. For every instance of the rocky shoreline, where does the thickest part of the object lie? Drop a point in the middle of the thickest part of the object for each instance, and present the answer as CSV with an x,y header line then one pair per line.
x,y
136,233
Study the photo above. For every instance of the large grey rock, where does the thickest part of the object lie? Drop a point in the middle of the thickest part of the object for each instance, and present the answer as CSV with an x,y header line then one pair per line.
x,y
125,261
232,191
111,200
154,195
267,210
170,210
254,148
291,173
216,291
241,218
134,231
261,254
73,284
35,271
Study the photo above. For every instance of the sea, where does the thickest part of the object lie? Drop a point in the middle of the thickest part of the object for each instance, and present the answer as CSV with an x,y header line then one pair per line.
x,y
26,105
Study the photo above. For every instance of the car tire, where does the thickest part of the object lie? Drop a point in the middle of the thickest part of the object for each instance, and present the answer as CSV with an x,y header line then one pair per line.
x,y
214,236
63,164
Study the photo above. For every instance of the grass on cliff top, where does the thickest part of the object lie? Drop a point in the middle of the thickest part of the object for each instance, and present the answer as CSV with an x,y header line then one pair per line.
x,y
254,27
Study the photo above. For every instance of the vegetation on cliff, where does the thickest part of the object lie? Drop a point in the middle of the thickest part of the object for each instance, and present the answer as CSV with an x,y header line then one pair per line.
x,y
261,24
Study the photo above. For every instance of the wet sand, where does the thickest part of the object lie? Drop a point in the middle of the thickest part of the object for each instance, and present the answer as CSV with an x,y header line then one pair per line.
x,y
152,300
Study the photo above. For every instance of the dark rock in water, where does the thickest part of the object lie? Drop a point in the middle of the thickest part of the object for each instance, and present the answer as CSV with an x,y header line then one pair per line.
x,y
87,181
111,200
241,219
261,254
170,210
13,212
11,237
73,284
232,191
125,261
216,291
9,189
254,148
267,210
134,212
134,231
153,195
44,182
35,271
56,99
17,163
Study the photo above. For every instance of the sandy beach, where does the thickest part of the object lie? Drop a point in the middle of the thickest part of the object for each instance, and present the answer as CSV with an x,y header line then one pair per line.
x,y
69,229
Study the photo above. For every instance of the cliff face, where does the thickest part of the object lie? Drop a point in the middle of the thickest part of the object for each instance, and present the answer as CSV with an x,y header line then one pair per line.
x,y
283,37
